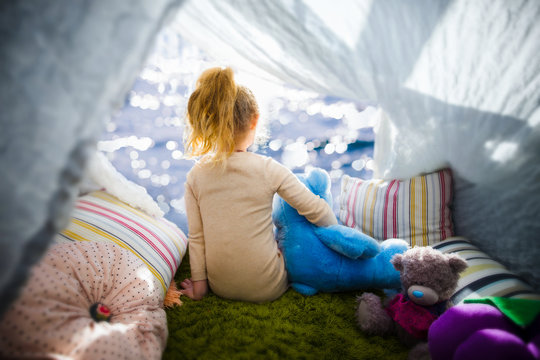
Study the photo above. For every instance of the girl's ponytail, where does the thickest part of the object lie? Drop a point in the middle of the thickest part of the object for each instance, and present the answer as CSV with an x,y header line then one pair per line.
x,y
218,111
210,113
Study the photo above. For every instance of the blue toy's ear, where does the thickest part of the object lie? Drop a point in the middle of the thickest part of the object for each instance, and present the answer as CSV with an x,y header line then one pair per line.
x,y
318,181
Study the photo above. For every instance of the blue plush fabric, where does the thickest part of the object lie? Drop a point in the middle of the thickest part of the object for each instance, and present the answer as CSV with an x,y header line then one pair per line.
x,y
334,258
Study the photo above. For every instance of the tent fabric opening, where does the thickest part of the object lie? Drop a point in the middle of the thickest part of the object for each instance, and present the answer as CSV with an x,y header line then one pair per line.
x,y
458,82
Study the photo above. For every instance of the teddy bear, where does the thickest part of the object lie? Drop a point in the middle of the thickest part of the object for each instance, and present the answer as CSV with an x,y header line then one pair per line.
x,y
428,280
334,258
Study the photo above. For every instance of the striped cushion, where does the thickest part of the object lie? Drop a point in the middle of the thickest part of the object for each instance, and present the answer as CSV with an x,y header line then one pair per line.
x,y
101,217
416,210
484,276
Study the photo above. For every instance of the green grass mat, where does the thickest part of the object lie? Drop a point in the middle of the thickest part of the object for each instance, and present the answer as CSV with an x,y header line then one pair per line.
x,y
292,327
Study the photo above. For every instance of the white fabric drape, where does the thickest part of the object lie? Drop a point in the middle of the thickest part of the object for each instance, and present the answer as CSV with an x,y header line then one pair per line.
x,y
65,66
443,71
459,83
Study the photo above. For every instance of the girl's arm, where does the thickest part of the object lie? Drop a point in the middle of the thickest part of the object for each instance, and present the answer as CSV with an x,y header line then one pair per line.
x,y
196,287
293,191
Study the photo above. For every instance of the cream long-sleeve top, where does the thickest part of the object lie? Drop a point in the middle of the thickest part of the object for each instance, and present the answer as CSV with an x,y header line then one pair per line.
x,y
230,230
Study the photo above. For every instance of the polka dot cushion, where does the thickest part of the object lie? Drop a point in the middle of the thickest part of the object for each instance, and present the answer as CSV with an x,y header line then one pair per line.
x,y
87,300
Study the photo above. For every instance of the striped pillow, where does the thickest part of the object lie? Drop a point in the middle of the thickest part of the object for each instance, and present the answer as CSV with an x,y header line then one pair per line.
x,y
416,210
101,217
484,276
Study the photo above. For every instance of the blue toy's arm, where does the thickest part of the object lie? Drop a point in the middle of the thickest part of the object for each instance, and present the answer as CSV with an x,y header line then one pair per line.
x,y
348,241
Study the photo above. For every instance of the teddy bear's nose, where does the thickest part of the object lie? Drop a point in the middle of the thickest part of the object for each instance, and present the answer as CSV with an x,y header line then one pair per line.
x,y
422,295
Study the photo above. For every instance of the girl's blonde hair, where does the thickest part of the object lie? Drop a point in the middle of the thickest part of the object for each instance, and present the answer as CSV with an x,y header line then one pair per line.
x,y
218,112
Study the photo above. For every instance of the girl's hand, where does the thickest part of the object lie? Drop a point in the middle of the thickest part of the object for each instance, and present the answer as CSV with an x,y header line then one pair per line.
x,y
195,290
187,288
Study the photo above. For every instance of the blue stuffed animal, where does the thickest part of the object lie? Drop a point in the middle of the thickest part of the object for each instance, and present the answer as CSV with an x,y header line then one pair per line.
x,y
334,258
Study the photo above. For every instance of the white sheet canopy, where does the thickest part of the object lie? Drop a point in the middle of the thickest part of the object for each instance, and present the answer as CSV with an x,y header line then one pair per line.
x,y
65,66
458,81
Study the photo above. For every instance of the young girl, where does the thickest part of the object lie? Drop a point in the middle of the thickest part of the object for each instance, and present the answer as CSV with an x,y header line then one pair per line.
x,y
229,194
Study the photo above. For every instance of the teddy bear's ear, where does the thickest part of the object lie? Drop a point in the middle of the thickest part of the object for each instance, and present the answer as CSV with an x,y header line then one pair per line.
x,y
456,263
397,261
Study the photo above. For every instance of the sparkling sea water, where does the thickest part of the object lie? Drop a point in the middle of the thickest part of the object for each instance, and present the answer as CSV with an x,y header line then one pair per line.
x,y
299,128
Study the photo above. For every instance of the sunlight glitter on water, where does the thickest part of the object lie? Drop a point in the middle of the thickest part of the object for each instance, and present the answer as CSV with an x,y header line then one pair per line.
x,y
299,128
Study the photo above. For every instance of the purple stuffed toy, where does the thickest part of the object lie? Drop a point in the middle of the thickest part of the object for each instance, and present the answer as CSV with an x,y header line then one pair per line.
x,y
489,328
